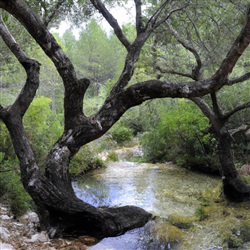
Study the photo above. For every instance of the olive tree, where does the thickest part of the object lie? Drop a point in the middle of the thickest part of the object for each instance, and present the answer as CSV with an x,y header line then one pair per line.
x,y
60,211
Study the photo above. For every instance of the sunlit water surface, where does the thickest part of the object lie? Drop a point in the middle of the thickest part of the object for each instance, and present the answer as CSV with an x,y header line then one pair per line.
x,y
163,190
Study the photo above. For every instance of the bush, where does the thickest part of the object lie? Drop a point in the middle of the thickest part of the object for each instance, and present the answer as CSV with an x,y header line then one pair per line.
x,y
7,154
12,191
178,137
85,160
43,127
121,134
112,156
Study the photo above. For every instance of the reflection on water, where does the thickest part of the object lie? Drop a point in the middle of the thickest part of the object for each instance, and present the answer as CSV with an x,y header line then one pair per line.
x,y
161,189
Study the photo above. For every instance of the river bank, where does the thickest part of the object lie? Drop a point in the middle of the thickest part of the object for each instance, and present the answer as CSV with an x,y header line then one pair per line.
x,y
189,208
22,234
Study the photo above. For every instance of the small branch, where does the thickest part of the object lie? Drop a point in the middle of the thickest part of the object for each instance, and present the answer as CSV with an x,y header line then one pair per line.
x,y
235,52
165,18
135,48
196,70
242,127
235,110
151,22
53,13
239,79
139,23
112,21
197,33
154,23
8,170
32,68
173,72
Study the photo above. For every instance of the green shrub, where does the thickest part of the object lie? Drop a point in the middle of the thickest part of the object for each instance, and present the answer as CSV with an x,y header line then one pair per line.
x,y
112,156
201,214
86,159
43,127
121,134
12,191
178,137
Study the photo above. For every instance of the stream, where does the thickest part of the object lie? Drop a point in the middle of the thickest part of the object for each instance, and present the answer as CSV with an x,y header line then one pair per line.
x,y
165,190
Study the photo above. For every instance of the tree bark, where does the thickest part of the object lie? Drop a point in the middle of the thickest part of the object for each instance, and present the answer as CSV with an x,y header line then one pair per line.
x,y
234,187
60,211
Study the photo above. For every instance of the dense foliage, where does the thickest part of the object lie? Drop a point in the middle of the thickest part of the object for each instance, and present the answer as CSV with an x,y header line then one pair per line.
x,y
180,137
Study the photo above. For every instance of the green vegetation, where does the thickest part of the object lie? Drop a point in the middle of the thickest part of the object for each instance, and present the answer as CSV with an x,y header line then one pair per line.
x,y
121,134
180,136
112,156
13,193
85,160
43,127
180,221
168,130
228,223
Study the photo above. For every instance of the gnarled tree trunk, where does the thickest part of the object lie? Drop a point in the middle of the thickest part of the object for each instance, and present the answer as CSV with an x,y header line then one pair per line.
x,y
234,187
60,211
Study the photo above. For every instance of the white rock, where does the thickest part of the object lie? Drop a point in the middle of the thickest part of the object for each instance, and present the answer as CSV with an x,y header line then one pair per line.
x,y
17,224
4,234
3,209
5,217
29,217
4,246
42,237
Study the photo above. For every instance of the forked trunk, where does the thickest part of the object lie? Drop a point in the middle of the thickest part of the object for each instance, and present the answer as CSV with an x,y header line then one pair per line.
x,y
61,212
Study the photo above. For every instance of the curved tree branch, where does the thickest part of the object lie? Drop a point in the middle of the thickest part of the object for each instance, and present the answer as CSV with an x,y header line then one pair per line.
x,y
235,52
12,115
204,107
112,21
239,79
11,43
216,107
31,67
235,110
196,74
74,88
55,11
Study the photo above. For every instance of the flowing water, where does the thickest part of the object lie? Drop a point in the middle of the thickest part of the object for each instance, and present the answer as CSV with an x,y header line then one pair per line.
x,y
170,193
